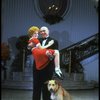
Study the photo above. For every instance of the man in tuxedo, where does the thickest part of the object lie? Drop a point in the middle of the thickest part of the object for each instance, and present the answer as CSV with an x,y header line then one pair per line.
x,y
41,76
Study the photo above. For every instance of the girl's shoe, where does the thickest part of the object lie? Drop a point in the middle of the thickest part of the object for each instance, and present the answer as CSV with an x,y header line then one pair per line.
x,y
58,73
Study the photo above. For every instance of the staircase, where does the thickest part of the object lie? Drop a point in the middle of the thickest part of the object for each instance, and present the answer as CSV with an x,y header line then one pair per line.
x,y
20,80
75,81
74,54
72,80
25,81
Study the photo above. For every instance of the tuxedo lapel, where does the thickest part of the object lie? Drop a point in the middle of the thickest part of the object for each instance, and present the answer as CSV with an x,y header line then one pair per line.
x,y
48,39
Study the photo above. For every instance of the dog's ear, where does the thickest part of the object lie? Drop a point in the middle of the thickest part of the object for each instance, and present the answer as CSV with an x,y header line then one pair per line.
x,y
46,82
57,82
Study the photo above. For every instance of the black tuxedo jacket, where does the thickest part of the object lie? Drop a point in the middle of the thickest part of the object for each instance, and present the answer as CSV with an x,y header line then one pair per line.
x,y
41,76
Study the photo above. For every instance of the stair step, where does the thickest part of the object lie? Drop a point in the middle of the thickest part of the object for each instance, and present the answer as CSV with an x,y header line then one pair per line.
x,y
64,83
18,76
24,80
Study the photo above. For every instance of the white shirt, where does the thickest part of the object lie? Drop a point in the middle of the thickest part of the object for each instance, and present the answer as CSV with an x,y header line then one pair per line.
x,y
43,42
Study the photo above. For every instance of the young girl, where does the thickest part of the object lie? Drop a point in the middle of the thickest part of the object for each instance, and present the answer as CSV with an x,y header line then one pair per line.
x,y
40,53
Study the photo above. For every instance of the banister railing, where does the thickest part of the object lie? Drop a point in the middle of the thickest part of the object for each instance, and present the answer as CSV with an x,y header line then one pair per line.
x,y
77,52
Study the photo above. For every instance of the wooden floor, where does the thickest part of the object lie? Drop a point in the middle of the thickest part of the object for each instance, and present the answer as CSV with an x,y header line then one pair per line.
x,y
8,94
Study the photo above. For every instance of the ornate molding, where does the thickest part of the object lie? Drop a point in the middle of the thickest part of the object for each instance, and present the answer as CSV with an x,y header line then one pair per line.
x,y
52,11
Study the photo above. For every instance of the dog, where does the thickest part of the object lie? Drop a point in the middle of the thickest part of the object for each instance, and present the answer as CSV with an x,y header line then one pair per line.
x,y
56,90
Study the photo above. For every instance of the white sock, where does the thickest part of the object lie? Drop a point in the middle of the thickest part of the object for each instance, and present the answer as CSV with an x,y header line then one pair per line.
x,y
57,69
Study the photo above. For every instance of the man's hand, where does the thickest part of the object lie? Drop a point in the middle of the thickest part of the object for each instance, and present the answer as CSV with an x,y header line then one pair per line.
x,y
50,55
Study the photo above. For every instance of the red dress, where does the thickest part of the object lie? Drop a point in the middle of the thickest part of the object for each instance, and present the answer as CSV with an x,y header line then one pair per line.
x,y
40,57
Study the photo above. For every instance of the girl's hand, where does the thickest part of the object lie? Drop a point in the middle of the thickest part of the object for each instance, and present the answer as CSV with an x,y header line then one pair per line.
x,y
30,45
51,42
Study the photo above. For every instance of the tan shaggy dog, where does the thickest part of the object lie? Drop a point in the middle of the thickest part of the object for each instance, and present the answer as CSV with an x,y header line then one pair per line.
x,y
56,90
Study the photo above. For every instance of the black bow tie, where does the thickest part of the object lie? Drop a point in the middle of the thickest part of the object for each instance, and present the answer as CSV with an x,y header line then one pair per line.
x,y
44,38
